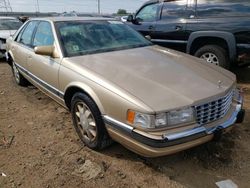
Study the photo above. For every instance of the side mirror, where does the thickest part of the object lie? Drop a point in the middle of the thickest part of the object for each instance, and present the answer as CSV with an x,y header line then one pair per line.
x,y
46,50
130,18
148,37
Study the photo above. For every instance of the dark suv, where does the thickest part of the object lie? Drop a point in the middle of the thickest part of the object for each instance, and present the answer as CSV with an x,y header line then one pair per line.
x,y
215,30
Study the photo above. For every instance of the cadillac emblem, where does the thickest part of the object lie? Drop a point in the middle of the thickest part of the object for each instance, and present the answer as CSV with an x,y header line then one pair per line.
x,y
219,84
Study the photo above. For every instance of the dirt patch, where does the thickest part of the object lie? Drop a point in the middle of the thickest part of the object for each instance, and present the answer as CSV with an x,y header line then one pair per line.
x,y
39,148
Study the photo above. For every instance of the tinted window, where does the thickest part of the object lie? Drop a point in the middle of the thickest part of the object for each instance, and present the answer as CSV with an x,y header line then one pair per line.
x,y
82,37
10,24
44,35
148,13
222,8
174,9
26,36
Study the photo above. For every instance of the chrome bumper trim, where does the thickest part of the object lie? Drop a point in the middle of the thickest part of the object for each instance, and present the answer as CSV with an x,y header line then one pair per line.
x,y
119,124
173,138
202,129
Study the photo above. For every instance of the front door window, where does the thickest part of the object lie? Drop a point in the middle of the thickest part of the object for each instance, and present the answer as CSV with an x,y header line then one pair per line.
x,y
148,13
44,35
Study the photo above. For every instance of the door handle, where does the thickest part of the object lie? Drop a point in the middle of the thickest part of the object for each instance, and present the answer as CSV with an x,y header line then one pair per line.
x,y
150,27
178,28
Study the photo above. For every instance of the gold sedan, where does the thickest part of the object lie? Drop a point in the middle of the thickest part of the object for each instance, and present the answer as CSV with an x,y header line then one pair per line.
x,y
119,86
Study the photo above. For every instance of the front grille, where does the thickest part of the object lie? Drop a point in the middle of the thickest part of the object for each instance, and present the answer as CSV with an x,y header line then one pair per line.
x,y
214,110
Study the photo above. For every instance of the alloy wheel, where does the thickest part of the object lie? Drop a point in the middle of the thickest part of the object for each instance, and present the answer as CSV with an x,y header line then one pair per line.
x,y
210,58
85,121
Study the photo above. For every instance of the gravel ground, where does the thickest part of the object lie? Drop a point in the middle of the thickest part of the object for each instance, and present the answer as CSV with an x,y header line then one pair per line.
x,y
39,148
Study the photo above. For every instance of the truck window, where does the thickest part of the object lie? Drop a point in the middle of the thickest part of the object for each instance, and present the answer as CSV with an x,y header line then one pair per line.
x,y
148,13
222,8
174,9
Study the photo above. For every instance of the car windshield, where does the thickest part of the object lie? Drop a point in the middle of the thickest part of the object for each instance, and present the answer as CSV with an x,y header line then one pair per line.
x,y
88,37
10,24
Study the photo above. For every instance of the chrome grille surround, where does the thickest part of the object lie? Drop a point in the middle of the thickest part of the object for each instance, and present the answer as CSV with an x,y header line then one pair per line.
x,y
214,110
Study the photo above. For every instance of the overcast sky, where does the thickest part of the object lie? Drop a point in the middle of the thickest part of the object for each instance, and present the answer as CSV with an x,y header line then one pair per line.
x,y
107,6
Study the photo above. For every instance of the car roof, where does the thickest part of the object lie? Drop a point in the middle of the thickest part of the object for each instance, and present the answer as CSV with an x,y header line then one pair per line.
x,y
58,19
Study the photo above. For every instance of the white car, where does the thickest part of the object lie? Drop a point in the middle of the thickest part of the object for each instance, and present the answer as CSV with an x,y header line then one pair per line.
x,y
124,18
8,26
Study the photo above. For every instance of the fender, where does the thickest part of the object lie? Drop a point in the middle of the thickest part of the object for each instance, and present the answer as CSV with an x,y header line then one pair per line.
x,y
228,37
9,55
88,90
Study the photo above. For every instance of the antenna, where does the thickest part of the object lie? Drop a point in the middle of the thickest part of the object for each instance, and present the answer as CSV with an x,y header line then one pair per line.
x,y
5,6
38,8
99,7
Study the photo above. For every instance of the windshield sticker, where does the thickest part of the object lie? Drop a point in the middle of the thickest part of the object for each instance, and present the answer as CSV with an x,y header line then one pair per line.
x,y
75,47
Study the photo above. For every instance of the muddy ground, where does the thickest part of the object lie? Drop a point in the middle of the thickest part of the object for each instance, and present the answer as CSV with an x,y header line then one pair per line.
x,y
39,148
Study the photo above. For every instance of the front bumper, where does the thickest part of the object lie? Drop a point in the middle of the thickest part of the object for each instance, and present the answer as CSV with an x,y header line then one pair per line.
x,y
149,146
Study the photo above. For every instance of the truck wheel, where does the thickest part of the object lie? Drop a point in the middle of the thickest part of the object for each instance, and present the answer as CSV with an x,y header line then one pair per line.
x,y
88,122
20,80
214,54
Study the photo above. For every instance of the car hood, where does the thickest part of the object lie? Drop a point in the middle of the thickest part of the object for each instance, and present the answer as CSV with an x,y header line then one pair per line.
x,y
162,79
4,34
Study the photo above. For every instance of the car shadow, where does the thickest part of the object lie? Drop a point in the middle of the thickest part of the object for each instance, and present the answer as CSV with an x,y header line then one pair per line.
x,y
180,167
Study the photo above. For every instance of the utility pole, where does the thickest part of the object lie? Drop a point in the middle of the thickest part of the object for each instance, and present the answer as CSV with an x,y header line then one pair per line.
x,y
99,7
38,8
5,5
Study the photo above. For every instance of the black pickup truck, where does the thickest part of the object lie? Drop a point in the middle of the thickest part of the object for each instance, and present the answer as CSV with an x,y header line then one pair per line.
x,y
215,30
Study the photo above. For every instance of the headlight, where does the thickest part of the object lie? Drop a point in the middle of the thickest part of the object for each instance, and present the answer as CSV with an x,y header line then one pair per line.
x,y
160,120
181,116
139,119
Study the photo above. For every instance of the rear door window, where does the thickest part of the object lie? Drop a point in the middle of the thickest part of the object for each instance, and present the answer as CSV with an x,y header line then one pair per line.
x,y
27,34
174,9
222,8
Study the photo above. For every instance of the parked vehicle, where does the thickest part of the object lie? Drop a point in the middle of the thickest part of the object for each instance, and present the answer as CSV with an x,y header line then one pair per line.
x,y
124,18
217,31
118,85
8,26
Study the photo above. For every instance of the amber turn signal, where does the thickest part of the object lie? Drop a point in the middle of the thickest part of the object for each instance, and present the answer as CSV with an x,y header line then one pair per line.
x,y
130,116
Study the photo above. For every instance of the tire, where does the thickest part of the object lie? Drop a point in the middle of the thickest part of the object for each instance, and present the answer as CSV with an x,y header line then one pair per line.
x,y
214,54
88,122
20,80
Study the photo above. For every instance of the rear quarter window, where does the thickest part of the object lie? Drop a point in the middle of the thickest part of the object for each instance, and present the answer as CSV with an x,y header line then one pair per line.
x,y
223,8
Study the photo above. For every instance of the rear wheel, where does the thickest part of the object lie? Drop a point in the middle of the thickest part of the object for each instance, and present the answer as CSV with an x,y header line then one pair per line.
x,y
88,122
20,80
214,54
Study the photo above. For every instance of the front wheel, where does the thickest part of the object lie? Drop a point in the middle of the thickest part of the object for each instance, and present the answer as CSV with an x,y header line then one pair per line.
x,y
214,54
88,122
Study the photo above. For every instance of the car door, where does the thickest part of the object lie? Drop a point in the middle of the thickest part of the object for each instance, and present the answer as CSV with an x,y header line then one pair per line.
x,y
21,48
170,30
145,18
44,69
